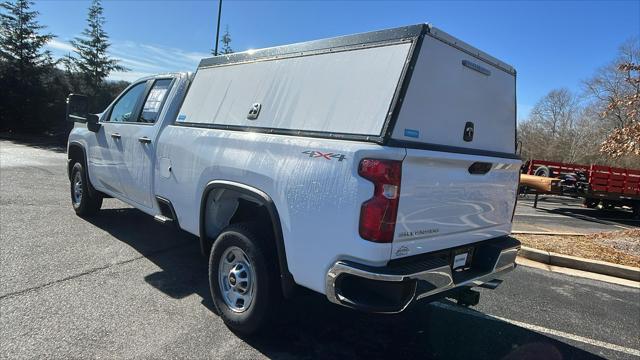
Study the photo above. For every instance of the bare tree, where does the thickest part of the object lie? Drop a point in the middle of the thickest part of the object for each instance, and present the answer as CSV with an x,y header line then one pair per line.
x,y
615,92
602,126
556,111
625,141
615,82
550,132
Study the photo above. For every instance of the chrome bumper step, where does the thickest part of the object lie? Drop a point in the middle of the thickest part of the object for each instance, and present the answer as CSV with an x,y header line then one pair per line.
x,y
391,289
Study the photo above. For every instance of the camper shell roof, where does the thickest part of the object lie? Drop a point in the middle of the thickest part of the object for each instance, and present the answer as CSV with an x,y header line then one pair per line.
x,y
411,32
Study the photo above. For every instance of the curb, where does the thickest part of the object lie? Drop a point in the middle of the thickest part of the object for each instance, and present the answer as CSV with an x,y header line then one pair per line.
x,y
573,262
551,233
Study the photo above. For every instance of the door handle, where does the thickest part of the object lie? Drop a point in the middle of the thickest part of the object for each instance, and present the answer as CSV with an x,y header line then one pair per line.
x,y
144,140
116,136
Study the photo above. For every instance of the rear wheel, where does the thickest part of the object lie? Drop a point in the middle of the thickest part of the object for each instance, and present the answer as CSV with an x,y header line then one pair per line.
x,y
85,200
243,279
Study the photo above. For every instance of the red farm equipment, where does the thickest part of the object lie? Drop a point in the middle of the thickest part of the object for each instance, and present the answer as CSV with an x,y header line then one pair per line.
x,y
605,186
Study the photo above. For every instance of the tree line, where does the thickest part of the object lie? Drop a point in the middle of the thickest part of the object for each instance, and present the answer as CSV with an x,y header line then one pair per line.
x,y
598,125
34,84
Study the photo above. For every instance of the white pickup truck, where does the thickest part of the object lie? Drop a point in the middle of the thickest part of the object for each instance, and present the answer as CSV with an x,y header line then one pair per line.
x,y
376,169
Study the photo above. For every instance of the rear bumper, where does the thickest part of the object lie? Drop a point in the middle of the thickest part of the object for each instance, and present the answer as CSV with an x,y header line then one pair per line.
x,y
392,288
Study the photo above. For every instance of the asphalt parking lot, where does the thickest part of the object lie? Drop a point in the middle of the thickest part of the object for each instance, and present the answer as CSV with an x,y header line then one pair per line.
x,y
121,285
561,214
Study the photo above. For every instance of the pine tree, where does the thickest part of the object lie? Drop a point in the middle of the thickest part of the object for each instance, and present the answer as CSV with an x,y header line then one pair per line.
x,y
226,42
23,64
20,43
72,75
94,62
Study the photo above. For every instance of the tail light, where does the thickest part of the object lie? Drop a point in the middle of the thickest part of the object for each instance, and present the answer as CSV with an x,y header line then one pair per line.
x,y
378,214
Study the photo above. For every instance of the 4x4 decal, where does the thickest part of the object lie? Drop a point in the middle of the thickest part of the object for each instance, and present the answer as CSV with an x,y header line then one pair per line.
x,y
327,155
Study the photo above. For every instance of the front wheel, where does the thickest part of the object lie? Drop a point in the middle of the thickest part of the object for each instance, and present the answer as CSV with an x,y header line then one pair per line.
x,y
85,201
243,279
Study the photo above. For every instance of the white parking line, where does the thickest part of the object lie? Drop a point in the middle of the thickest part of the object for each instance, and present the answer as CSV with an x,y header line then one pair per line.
x,y
584,217
625,220
542,215
542,330
547,232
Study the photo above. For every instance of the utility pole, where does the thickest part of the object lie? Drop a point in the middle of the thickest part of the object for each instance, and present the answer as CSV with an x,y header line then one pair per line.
x,y
215,52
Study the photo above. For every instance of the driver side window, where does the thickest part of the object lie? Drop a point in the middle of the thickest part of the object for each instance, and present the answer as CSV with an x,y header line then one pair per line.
x,y
126,105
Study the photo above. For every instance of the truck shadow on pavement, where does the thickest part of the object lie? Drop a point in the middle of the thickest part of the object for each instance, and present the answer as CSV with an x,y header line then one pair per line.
x,y
311,327
603,217
573,209
50,143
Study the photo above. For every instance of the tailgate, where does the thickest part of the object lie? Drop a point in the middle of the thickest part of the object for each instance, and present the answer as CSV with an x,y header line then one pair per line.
x,y
443,205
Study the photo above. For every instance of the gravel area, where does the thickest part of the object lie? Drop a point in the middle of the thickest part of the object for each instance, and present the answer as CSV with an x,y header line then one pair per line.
x,y
627,241
619,247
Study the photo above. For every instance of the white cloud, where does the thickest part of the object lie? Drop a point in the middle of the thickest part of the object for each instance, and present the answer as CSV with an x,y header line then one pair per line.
x,y
128,76
175,56
59,45
133,63
141,59
196,56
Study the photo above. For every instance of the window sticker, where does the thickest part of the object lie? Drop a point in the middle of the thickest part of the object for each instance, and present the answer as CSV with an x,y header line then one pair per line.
x,y
154,100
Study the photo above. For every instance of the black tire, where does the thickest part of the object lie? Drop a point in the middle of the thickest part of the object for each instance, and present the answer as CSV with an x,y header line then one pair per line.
x,y
263,274
607,205
90,200
543,171
636,210
591,203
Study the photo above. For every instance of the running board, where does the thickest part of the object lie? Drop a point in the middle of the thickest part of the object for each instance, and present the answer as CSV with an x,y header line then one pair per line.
x,y
163,219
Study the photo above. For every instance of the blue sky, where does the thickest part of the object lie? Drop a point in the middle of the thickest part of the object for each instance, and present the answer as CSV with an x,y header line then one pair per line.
x,y
552,44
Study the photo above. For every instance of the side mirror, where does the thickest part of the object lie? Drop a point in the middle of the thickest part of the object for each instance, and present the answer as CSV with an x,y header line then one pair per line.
x,y
77,108
78,111
92,122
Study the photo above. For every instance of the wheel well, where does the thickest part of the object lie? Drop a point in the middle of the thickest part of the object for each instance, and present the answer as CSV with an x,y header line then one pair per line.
x,y
224,204
226,207
75,154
